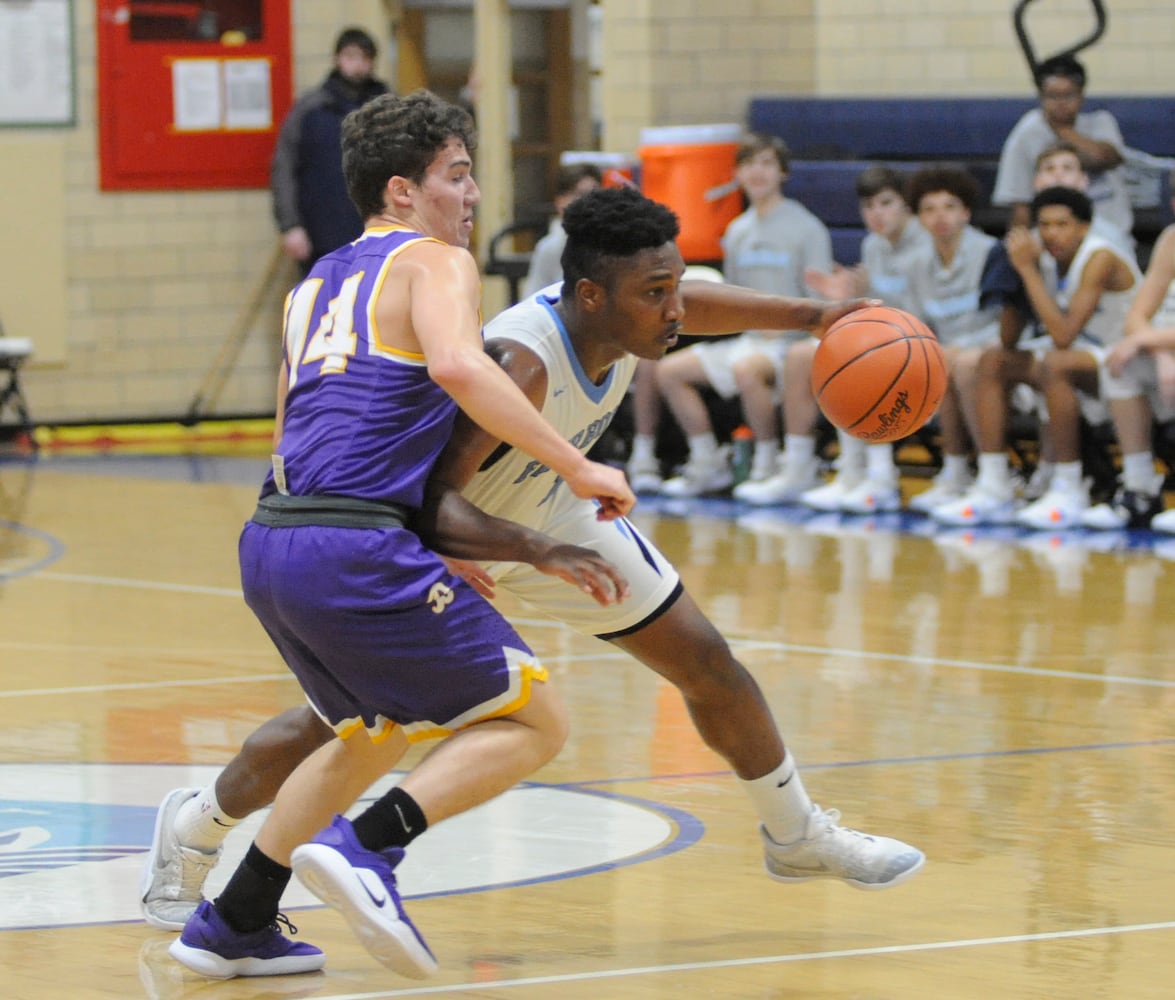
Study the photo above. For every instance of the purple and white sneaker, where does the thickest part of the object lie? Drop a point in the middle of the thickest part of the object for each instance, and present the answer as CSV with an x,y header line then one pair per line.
x,y
361,885
209,946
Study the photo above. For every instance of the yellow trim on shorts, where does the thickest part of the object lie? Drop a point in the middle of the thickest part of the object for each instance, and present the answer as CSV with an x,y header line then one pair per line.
x,y
527,673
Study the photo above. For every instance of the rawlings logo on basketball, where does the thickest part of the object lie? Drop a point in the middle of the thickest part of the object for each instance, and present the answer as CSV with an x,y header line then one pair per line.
x,y
892,421
879,373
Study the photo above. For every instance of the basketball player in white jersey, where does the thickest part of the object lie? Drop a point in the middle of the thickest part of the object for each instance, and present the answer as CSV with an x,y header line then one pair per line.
x,y
572,351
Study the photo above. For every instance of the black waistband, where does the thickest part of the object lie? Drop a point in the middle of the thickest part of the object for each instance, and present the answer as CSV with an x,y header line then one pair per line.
x,y
281,511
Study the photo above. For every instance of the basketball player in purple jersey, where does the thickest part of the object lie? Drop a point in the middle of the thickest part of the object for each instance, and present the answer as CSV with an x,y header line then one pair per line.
x,y
382,345
573,352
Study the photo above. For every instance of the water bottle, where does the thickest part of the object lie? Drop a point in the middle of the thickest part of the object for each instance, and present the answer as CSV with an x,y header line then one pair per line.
x,y
742,441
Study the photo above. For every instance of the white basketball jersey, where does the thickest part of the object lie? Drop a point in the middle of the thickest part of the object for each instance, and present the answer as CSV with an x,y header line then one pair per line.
x,y
1106,324
519,487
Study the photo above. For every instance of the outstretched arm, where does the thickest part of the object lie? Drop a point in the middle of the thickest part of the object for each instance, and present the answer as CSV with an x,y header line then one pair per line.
x,y
711,308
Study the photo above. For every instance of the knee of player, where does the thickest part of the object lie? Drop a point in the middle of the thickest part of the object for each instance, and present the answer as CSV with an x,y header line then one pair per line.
x,y
709,670
294,734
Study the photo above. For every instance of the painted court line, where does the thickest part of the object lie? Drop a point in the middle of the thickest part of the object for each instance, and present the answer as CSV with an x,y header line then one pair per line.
x,y
732,963
742,644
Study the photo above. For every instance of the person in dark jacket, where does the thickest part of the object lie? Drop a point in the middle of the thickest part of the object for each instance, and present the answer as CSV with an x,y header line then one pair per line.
x,y
310,202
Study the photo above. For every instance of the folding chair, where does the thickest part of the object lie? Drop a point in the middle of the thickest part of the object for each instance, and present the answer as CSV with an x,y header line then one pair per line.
x,y
14,352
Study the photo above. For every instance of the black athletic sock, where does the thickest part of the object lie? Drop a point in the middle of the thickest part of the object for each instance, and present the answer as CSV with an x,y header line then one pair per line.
x,y
393,821
250,900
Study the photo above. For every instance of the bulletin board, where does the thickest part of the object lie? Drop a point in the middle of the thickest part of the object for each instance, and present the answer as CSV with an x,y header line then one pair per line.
x,y
36,63
191,93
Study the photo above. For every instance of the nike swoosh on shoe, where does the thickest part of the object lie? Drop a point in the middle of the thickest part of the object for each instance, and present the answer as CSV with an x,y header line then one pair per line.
x,y
380,900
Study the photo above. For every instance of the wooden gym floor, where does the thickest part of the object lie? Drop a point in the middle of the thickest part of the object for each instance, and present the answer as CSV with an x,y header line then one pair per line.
x,y
1002,700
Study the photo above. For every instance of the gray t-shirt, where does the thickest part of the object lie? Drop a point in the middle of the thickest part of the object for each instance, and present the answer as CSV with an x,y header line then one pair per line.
x,y
546,262
888,264
947,297
1028,139
771,252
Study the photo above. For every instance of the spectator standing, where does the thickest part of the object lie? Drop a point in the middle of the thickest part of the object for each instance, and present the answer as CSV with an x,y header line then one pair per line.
x,y
1060,82
310,203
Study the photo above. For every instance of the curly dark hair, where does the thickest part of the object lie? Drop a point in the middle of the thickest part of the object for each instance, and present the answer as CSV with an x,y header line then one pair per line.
x,y
943,177
610,224
397,136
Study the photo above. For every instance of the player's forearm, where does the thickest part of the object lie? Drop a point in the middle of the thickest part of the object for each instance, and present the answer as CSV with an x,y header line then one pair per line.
x,y
1096,153
1153,338
452,526
1054,320
714,308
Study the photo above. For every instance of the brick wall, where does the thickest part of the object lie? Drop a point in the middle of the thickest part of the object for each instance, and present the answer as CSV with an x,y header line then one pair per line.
x,y
152,283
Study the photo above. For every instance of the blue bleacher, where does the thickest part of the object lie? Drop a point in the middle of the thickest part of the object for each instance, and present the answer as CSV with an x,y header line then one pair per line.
x,y
833,138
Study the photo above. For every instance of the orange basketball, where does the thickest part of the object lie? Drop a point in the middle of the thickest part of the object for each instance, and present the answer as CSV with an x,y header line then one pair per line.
x,y
879,374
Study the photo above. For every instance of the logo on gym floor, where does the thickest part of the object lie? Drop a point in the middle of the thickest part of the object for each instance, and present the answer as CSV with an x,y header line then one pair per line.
x,y
74,837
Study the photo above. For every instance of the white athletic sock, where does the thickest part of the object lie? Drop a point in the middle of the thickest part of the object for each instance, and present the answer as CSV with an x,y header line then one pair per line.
x,y
1138,472
201,823
1067,476
879,463
764,458
644,448
782,803
798,450
954,469
851,459
993,471
703,447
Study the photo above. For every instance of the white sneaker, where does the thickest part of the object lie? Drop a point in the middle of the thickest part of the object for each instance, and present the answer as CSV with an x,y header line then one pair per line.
x,y
172,885
1164,522
872,497
831,851
978,506
644,475
701,477
786,487
942,490
1058,509
829,496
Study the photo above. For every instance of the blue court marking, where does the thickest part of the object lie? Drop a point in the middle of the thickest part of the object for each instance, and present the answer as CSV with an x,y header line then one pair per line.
x,y
690,830
892,761
55,549
127,830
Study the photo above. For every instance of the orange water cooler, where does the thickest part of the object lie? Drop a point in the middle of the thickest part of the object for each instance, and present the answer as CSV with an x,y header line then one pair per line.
x,y
690,168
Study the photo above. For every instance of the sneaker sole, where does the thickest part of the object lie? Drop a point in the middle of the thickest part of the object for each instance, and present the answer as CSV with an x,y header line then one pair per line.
x,y
152,863
213,966
898,879
393,943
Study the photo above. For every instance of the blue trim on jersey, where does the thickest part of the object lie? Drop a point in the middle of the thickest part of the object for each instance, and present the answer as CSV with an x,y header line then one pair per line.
x,y
593,392
626,528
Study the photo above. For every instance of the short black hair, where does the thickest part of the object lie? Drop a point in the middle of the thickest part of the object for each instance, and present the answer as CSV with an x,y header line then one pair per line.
x,y
392,135
943,177
357,37
610,224
1063,65
1076,201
